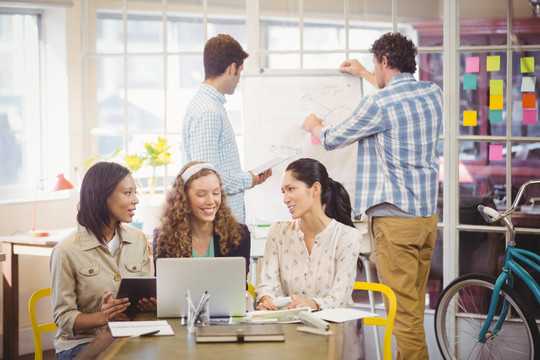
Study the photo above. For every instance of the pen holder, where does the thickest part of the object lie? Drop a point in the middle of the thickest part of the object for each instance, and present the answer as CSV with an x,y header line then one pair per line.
x,y
199,316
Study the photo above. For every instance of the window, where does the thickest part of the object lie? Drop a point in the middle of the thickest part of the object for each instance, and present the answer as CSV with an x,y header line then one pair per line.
x,y
33,110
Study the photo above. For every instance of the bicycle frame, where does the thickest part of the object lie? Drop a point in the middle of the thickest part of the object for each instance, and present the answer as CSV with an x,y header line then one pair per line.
x,y
511,266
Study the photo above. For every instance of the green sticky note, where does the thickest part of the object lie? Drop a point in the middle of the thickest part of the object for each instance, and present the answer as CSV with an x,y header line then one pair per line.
x,y
496,102
469,118
496,87
493,63
469,82
527,64
495,116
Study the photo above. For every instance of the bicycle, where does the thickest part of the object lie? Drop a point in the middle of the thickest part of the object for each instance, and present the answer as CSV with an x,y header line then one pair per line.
x,y
470,320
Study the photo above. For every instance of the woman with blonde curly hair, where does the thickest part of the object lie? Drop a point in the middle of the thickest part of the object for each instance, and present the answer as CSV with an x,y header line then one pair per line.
x,y
196,220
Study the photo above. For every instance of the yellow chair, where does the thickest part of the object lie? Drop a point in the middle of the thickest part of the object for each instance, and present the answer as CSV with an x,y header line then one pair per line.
x,y
39,329
251,290
387,322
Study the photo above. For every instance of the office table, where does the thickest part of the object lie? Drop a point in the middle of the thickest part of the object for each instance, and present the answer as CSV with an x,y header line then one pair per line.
x,y
297,345
12,247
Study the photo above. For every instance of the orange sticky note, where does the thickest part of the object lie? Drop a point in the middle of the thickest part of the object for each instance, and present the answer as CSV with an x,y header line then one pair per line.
x,y
469,118
528,101
496,102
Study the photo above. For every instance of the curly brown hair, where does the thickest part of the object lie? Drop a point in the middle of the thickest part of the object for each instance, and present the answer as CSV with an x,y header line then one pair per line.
x,y
400,52
175,238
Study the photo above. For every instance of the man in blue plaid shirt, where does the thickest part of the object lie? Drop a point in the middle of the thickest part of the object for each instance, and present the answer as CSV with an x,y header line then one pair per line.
x,y
207,134
397,130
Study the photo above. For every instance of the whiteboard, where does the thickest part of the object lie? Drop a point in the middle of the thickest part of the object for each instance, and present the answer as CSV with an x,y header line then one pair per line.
x,y
275,105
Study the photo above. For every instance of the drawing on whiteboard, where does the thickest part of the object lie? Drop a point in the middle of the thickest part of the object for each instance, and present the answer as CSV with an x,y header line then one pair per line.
x,y
274,109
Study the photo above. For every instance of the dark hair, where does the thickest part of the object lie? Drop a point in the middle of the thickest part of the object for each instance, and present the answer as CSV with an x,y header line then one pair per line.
x,y
400,52
220,52
98,184
334,198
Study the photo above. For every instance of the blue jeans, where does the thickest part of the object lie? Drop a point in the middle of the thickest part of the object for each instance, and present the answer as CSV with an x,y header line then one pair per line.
x,y
72,353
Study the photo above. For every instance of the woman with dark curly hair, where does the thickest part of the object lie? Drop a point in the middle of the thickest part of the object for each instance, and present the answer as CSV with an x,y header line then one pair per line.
x,y
196,220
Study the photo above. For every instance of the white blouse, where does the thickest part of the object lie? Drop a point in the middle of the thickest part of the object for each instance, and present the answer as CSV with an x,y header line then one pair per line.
x,y
327,275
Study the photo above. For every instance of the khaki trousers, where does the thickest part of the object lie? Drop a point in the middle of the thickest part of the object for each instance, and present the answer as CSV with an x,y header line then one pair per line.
x,y
403,248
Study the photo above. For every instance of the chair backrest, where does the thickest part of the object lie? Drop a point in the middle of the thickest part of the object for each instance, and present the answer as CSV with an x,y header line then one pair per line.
x,y
39,329
251,290
387,322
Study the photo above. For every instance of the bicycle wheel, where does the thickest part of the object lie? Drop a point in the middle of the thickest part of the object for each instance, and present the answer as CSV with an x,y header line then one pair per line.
x,y
461,313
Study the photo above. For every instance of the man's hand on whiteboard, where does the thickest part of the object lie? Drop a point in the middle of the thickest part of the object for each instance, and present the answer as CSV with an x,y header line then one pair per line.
x,y
314,125
260,178
353,67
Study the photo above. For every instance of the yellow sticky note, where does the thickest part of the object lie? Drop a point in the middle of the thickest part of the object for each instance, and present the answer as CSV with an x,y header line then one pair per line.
x,y
496,87
527,64
493,63
469,118
496,102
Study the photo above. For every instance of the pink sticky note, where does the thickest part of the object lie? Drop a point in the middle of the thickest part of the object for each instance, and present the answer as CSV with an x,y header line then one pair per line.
x,y
314,140
472,64
495,152
529,116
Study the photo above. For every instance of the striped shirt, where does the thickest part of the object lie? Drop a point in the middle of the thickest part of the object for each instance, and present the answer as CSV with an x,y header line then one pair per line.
x,y
397,129
207,135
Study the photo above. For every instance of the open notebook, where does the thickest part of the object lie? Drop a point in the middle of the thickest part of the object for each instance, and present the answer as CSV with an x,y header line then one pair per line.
x,y
138,328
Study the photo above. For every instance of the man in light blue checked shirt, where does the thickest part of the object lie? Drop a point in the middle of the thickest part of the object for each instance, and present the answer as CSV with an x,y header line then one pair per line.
x,y
397,130
207,134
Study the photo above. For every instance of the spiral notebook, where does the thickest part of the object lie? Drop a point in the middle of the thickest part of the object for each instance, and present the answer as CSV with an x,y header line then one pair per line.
x,y
139,328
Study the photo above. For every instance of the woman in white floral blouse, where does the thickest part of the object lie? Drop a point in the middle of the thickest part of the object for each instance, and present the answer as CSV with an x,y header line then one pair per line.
x,y
312,258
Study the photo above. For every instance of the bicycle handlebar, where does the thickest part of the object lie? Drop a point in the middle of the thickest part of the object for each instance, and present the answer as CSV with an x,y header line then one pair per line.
x,y
492,215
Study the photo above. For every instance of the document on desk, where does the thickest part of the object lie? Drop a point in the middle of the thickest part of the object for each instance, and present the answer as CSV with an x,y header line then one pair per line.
x,y
140,328
269,316
340,315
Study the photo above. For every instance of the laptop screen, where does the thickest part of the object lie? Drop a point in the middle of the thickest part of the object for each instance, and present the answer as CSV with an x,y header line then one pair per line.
x,y
223,277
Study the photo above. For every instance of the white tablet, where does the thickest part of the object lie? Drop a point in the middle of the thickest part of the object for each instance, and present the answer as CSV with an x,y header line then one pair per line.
x,y
270,164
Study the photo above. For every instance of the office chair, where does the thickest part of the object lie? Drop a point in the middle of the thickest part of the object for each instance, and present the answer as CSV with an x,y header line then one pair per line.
x,y
39,329
387,322
251,290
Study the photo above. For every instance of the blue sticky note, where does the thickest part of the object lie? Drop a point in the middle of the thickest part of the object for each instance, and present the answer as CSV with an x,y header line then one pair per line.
x,y
469,82
495,116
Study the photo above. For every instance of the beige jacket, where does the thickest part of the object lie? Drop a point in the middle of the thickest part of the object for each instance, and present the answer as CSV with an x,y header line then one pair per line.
x,y
81,269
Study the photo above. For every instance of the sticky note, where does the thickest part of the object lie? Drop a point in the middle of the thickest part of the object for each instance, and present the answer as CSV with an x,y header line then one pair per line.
x,y
493,63
495,152
527,64
496,87
496,102
472,64
314,140
469,118
528,101
469,82
495,116
528,83
529,116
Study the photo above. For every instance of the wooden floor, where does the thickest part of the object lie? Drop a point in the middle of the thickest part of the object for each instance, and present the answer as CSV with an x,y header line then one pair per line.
x,y
47,355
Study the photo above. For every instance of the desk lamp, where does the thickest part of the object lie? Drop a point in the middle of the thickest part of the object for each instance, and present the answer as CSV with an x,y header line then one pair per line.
x,y
61,184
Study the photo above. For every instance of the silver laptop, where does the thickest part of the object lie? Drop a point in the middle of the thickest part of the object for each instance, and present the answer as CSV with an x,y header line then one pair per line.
x,y
223,277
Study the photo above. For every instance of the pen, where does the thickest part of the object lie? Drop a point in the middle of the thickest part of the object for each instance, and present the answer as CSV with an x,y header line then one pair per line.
x,y
150,333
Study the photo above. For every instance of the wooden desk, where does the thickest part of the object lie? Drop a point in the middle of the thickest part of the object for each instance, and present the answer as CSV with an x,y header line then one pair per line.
x,y
297,345
12,247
